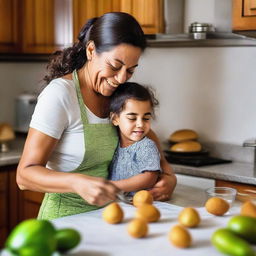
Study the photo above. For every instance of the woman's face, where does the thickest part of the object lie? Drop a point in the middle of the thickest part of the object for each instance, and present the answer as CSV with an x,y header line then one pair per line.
x,y
109,69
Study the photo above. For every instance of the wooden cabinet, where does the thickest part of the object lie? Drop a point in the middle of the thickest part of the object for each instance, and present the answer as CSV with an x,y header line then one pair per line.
x,y
87,9
47,25
9,26
35,26
244,15
149,13
240,187
16,205
44,26
3,207
30,203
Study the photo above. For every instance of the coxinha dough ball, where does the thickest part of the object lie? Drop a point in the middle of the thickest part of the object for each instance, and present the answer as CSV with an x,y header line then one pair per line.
x,y
248,208
142,197
148,212
189,217
137,228
180,237
217,206
113,213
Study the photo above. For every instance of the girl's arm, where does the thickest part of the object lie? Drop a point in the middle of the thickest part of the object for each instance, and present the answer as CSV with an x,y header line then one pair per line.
x,y
33,175
140,181
164,188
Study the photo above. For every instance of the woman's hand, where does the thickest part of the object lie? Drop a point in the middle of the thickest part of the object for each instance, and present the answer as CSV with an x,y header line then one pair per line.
x,y
95,190
164,187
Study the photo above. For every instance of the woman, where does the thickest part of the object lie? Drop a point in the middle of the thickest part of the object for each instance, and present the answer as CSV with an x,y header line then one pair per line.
x,y
71,142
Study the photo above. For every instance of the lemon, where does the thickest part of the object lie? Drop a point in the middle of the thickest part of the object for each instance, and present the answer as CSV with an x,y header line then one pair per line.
x,y
67,239
32,237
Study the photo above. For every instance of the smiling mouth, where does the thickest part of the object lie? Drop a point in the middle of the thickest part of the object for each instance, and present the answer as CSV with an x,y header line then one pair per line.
x,y
138,132
112,84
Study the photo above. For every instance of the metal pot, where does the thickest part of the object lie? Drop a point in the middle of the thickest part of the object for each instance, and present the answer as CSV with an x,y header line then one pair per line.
x,y
24,108
199,30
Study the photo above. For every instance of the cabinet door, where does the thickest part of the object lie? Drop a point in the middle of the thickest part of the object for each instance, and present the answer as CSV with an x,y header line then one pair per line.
x,y
30,203
10,27
240,187
47,25
3,207
87,9
149,14
244,14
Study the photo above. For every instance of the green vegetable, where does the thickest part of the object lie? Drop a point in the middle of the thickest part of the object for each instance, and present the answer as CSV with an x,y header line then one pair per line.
x,y
32,237
243,226
67,239
229,243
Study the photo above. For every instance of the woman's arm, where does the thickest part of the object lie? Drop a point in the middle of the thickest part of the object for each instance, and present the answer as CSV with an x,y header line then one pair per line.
x,y
165,186
33,175
141,181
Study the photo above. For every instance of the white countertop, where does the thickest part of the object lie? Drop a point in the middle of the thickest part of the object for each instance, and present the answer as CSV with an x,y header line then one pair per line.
x,y
102,239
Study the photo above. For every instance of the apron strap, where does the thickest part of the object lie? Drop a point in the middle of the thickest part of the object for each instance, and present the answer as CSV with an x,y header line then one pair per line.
x,y
80,97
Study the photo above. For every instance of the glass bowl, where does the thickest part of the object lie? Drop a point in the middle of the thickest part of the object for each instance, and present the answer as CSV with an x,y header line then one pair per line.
x,y
246,195
229,194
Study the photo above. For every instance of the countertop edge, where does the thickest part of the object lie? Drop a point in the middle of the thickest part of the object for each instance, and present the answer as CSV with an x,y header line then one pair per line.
x,y
221,172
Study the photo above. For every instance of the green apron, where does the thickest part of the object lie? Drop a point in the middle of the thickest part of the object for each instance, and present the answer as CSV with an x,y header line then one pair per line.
x,y
100,143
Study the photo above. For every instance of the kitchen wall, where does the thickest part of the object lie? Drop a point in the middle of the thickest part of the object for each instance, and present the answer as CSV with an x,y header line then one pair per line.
x,y
211,90
16,78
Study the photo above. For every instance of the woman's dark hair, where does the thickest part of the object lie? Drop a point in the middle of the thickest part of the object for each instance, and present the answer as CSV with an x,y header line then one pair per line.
x,y
107,31
130,90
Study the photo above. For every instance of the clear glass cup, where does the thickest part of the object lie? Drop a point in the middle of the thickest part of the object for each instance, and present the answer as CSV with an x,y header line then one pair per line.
x,y
229,194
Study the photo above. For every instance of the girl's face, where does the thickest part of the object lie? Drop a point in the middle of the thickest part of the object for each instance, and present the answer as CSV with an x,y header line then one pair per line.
x,y
134,121
109,69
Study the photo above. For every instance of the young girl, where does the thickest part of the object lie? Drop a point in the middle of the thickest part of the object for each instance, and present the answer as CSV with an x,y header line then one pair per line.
x,y
136,163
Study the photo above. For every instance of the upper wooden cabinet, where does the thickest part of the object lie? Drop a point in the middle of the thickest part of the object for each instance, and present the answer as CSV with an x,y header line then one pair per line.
x,y
47,25
149,14
9,25
87,9
44,26
244,15
35,26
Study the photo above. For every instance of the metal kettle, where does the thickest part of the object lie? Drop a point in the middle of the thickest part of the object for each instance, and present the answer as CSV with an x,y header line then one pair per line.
x,y
24,107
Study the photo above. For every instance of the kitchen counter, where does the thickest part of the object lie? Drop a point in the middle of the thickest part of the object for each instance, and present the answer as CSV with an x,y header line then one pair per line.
x,y
13,156
235,172
102,239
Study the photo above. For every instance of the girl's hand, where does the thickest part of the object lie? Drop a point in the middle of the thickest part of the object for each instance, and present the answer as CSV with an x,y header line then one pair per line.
x,y
164,187
95,190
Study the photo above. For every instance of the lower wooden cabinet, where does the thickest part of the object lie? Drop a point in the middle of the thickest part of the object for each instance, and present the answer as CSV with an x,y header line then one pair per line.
x,y
15,205
30,203
3,207
240,187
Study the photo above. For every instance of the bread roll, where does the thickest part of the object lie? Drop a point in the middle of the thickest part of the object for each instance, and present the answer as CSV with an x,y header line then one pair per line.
x,y
6,132
183,135
186,146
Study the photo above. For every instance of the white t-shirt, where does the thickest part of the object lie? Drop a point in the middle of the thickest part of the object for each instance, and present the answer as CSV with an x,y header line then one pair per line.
x,y
57,114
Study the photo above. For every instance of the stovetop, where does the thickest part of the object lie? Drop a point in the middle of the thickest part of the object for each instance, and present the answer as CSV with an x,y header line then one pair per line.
x,y
195,159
